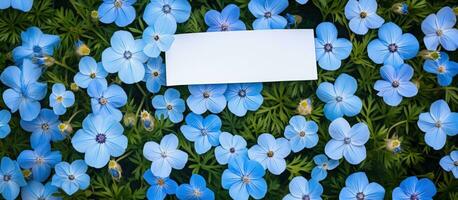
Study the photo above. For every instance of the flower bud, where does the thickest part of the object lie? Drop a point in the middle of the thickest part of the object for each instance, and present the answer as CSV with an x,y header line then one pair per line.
x,y
27,174
147,120
393,144
74,87
65,128
305,107
400,8
455,10
129,119
115,170
95,15
427,54
82,49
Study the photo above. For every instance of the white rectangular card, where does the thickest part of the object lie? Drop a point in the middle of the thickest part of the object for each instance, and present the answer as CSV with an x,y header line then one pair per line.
x,y
241,57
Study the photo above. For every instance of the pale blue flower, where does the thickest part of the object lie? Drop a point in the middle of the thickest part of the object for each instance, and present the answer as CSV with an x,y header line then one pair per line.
x,y
119,11
302,2
244,178
40,160
207,97
195,190
35,45
347,142
22,5
100,138
5,117
169,105
204,132
392,47
154,74
158,38
301,133
71,177
357,186
90,71
160,187
438,123
300,189
411,188
11,178
44,128
396,84
126,57
60,99
231,147
323,164
330,50
340,98
440,29
165,156
270,153
37,191
450,163
242,97
106,100
227,20
25,91
363,16
444,68
267,13
168,11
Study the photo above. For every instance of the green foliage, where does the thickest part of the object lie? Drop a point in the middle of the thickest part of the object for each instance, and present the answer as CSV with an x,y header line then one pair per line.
x,y
71,20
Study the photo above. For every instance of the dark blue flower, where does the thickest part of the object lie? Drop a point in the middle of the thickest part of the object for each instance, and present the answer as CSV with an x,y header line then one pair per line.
x,y
167,11
35,45
444,68
227,20
363,16
154,74
11,178
267,13
392,47
440,28
90,71
106,100
395,84
242,97
414,189
71,177
44,128
22,5
169,105
207,97
357,187
195,190
160,187
25,91
323,164
300,189
119,11
204,132
41,160
231,147
37,191
5,117
60,99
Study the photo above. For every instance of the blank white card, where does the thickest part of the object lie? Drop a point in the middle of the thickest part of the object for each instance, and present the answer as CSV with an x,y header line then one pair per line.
x,y
241,57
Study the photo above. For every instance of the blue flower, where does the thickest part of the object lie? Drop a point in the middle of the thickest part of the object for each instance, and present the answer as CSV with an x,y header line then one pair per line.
x,y
25,92
36,191
347,142
242,97
154,74
302,2
357,186
244,178
71,177
206,97
330,50
392,47
291,20
270,153
444,68
11,178
363,16
90,71
323,164
231,147
60,99
160,187
227,20
301,133
450,163
395,84
165,156
35,45
340,98
169,105
5,117
438,123
119,11
126,57
41,160
100,138
106,100
300,189
167,11
412,188
44,128
267,13
22,5
158,38
195,190
203,132
440,28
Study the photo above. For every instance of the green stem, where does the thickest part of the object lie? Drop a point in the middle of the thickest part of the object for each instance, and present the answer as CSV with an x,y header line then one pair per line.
x,y
74,114
394,125
124,156
64,66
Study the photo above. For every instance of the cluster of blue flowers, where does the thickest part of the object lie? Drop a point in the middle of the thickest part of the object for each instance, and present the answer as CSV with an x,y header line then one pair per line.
x,y
101,137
